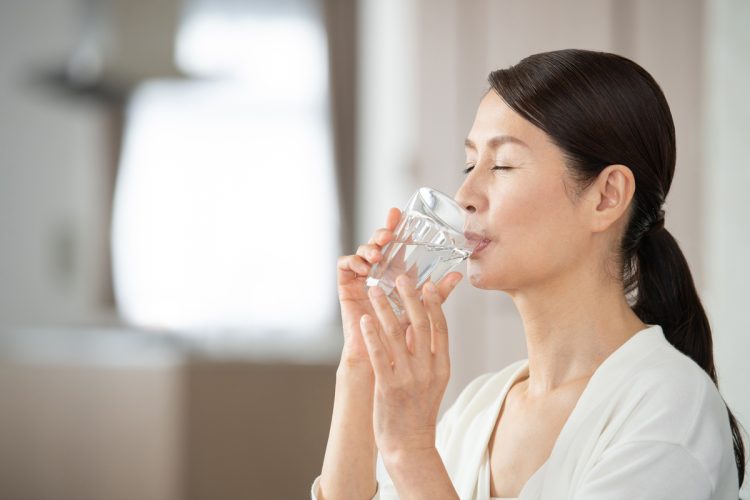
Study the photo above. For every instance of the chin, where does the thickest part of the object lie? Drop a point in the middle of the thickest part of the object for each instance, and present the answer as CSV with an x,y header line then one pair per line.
x,y
480,278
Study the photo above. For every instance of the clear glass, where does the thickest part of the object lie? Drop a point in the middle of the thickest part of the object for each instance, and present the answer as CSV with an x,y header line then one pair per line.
x,y
428,243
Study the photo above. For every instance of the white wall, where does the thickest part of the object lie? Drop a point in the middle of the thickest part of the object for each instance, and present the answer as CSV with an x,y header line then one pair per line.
x,y
727,215
386,129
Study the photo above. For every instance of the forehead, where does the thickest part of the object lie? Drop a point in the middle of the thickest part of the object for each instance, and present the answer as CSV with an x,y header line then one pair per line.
x,y
495,118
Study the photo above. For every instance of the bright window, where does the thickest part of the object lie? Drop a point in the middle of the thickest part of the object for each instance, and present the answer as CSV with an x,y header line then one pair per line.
x,y
225,210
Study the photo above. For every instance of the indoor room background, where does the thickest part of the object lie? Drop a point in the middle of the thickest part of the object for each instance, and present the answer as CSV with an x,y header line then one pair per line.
x,y
178,178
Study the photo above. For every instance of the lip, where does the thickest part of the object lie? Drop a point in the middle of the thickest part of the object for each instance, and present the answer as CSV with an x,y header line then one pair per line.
x,y
481,246
481,241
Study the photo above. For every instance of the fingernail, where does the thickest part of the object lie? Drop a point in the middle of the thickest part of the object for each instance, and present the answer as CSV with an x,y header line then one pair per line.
x,y
455,281
430,287
376,291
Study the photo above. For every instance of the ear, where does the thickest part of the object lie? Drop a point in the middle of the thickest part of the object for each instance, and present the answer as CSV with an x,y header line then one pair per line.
x,y
612,193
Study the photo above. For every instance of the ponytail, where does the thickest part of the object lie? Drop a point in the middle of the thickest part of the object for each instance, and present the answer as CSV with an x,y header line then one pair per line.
x,y
666,296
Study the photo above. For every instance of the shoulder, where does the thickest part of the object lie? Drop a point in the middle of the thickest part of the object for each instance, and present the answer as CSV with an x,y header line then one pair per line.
x,y
671,384
670,399
649,372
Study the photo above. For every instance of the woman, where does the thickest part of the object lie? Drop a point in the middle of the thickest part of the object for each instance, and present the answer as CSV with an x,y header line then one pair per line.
x,y
569,161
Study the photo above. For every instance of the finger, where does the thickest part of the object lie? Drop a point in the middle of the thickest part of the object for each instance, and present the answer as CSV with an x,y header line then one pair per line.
x,y
397,261
396,267
352,266
393,331
409,336
412,274
393,218
381,363
418,318
405,322
369,252
438,327
381,237
448,284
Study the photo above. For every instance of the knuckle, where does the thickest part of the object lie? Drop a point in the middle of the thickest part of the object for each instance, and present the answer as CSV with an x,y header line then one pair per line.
x,y
346,262
359,258
443,373
364,251
421,324
377,351
393,331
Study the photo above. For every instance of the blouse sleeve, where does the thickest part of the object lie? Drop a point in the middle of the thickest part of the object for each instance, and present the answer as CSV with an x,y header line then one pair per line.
x,y
648,470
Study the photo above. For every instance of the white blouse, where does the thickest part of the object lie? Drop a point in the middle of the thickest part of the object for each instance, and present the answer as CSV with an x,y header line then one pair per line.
x,y
650,424
483,482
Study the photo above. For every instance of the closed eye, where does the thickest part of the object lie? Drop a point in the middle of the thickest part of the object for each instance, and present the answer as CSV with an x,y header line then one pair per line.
x,y
496,167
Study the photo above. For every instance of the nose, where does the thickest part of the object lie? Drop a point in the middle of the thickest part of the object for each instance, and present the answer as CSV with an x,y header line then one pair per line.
x,y
465,197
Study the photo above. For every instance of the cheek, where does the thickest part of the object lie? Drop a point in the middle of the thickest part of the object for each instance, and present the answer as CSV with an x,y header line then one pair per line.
x,y
526,211
535,236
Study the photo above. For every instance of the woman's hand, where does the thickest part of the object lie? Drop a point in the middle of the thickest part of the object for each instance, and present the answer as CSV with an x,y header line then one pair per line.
x,y
410,381
353,298
352,275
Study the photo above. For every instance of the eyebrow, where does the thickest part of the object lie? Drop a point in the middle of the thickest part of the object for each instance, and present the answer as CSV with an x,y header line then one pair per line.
x,y
497,141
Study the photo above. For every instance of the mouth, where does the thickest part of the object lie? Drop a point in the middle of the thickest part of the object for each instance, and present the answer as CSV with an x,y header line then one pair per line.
x,y
478,241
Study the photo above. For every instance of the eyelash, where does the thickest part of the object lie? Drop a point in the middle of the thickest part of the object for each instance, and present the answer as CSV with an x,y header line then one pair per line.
x,y
496,167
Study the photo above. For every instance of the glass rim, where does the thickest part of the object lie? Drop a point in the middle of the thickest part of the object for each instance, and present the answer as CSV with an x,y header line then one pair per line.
x,y
449,200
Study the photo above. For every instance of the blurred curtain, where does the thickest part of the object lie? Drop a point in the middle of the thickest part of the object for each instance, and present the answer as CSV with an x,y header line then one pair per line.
x,y
341,28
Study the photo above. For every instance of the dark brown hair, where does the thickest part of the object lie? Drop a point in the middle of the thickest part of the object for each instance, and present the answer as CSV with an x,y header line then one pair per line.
x,y
603,109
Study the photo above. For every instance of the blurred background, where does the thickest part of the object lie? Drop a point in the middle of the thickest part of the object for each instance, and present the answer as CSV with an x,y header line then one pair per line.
x,y
178,178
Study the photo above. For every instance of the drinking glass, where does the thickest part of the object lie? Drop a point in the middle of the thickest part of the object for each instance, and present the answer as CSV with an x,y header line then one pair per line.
x,y
428,242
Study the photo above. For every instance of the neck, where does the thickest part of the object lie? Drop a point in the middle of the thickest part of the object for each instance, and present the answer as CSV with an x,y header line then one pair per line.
x,y
572,325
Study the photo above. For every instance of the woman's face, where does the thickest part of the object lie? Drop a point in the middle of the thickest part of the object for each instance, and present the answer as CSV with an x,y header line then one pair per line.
x,y
533,224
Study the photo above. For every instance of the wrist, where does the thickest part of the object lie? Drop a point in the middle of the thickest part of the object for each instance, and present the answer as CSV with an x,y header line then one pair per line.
x,y
355,370
402,459
420,473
